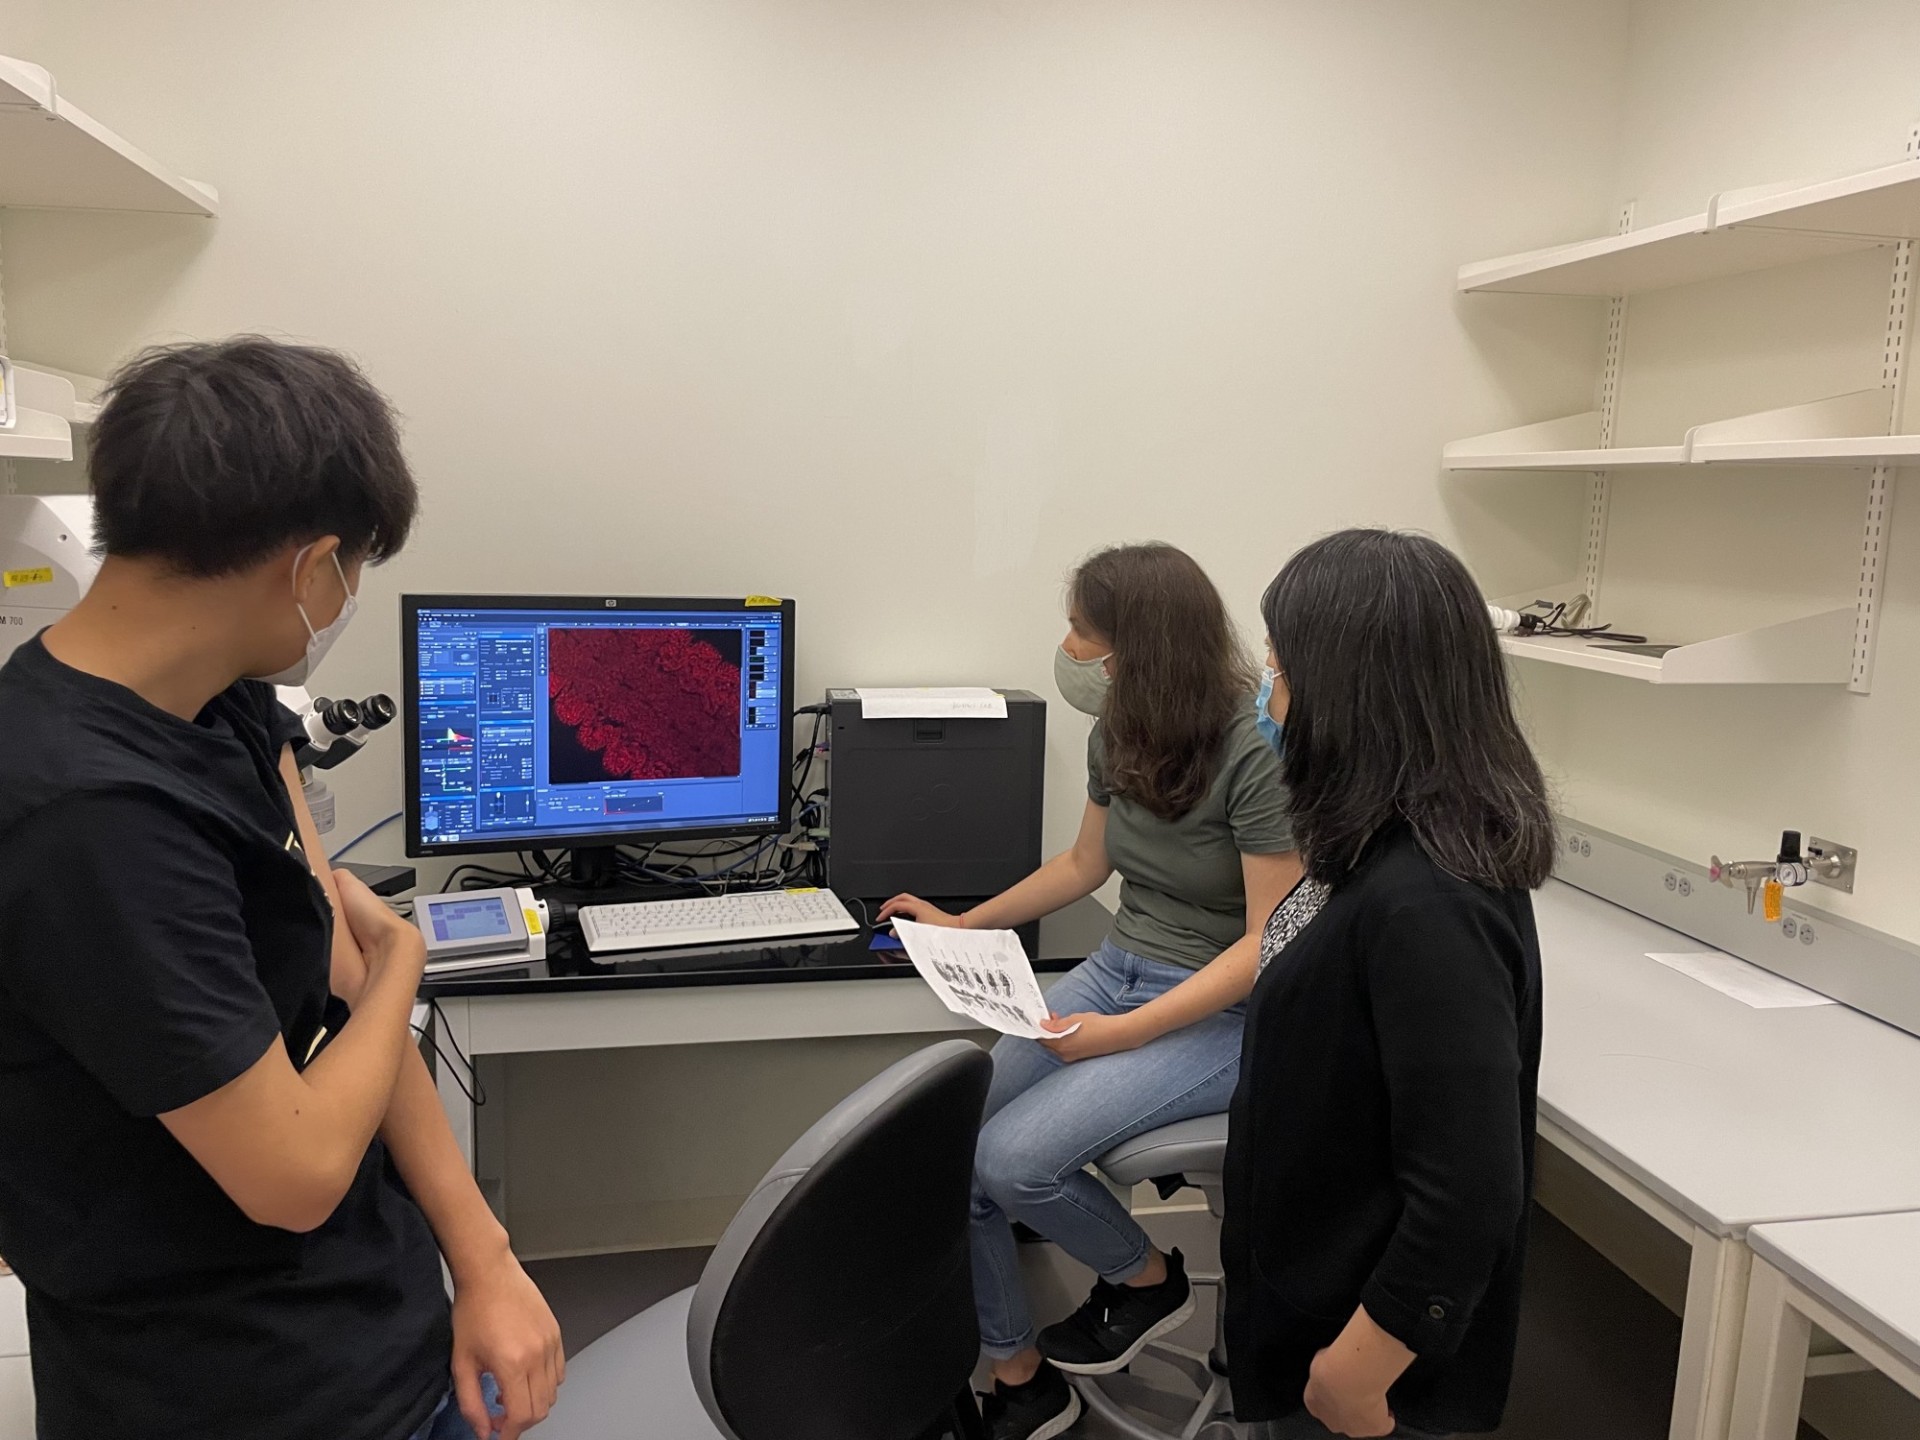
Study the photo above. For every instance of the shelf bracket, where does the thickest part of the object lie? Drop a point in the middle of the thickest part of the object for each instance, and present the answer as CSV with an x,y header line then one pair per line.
x,y
9,481
1600,484
1876,531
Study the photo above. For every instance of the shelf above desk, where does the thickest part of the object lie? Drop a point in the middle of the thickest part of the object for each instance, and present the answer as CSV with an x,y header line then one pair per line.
x,y
1738,232
1840,430
54,156
1813,650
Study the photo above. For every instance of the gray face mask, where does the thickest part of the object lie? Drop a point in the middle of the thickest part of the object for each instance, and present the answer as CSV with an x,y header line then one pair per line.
x,y
1083,683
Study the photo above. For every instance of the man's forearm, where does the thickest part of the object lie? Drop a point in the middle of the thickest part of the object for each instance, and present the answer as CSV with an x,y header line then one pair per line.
x,y
429,1159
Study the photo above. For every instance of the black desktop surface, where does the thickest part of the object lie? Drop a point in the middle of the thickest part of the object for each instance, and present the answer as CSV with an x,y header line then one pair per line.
x,y
1056,943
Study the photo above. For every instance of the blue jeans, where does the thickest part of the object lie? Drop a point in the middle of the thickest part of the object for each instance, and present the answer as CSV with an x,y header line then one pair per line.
x,y
447,1423
1046,1119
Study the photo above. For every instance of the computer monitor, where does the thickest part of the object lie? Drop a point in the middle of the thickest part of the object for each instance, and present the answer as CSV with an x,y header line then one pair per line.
x,y
584,722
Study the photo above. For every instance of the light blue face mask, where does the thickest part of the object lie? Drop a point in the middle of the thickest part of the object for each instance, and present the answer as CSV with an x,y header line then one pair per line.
x,y
1271,730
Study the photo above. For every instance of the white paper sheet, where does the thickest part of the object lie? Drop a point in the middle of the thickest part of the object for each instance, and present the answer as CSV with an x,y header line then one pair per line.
x,y
932,702
983,974
1749,984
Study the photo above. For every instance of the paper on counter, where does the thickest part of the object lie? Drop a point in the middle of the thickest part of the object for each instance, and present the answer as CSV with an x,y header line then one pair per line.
x,y
983,974
932,702
1749,984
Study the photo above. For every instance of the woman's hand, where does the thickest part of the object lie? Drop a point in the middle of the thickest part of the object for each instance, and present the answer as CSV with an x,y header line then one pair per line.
x,y
1346,1405
1347,1384
921,912
1097,1035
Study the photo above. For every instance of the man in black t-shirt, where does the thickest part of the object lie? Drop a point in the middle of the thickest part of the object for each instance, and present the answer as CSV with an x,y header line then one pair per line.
x,y
225,1177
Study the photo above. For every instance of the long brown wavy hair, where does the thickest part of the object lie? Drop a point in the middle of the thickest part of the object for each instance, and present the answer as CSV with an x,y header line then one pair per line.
x,y
1179,672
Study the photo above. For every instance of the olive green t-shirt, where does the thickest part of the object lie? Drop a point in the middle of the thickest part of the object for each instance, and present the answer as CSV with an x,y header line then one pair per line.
x,y
1183,898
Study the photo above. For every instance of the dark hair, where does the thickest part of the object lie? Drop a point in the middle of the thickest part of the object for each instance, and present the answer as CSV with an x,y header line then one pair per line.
x,y
213,456
1400,711
1179,674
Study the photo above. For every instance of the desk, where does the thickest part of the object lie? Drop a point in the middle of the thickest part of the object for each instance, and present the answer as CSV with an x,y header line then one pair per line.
x,y
1713,1117
1858,1279
782,992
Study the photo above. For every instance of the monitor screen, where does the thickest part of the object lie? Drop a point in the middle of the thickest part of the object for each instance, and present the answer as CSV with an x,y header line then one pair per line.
x,y
539,723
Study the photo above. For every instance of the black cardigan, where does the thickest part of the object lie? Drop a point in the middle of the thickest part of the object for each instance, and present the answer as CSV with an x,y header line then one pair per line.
x,y
1382,1140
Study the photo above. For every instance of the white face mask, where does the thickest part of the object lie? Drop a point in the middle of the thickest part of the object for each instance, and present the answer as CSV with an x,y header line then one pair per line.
x,y
1083,683
318,641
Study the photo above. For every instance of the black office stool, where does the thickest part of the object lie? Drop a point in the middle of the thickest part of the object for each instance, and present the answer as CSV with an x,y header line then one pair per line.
x,y
1196,1149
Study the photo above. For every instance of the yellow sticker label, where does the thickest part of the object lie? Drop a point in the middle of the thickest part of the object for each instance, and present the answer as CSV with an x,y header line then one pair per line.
x,y
803,890
43,575
533,922
763,602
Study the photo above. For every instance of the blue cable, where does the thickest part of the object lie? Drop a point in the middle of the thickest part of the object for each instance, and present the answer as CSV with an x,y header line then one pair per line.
x,y
370,830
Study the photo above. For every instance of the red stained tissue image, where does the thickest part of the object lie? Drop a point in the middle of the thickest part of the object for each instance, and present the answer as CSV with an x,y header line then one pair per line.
x,y
643,704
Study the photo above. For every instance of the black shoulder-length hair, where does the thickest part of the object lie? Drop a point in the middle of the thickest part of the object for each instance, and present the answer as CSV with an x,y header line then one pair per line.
x,y
1180,675
1400,712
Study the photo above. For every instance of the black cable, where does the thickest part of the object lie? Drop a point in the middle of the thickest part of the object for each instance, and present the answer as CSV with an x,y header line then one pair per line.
x,y
1549,623
477,1095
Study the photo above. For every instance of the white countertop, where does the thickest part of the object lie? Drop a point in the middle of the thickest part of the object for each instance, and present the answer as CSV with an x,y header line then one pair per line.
x,y
1734,1116
1867,1267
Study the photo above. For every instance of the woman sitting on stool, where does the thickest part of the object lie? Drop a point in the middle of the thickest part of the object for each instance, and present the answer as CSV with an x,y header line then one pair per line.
x,y
1381,1148
1185,801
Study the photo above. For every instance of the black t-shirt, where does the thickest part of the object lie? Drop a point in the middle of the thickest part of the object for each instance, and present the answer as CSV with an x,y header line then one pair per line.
x,y
159,925
1381,1147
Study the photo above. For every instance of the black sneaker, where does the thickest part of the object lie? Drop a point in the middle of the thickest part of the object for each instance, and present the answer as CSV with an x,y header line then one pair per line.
x,y
1118,1321
1042,1408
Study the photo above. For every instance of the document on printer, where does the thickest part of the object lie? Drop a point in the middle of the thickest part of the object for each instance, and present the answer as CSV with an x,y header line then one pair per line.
x,y
932,702
983,974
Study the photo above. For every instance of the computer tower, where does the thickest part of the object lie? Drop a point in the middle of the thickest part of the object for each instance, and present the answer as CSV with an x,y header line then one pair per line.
x,y
943,809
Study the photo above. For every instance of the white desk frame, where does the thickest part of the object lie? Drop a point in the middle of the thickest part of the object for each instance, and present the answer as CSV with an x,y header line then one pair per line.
x,y
1711,1117
691,1015
1774,1358
1717,1281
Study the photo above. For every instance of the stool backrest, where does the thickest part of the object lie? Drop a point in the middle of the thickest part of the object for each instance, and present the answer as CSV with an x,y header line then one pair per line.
x,y
839,1303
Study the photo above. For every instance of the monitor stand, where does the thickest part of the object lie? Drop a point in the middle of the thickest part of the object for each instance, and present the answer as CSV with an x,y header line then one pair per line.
x,y
594,867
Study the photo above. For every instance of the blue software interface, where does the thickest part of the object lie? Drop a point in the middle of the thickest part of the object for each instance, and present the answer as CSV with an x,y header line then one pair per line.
x,y
542,725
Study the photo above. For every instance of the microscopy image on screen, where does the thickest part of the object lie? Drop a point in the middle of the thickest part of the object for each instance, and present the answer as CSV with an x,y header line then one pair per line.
x,y
643,705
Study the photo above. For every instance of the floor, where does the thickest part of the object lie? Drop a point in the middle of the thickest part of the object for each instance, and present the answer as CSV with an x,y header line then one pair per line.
x,y
1596,1355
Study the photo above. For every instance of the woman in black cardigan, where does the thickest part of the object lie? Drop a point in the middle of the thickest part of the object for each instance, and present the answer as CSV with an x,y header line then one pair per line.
x,y
1380,1166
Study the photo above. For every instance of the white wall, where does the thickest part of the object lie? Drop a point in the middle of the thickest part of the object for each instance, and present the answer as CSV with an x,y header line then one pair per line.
x,y
1719,94
897,309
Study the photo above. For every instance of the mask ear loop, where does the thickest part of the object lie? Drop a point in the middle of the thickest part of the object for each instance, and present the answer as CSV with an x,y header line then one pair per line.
x,y
345,588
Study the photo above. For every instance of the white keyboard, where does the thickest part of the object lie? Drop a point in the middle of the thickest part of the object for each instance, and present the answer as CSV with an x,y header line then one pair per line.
x,y
747,918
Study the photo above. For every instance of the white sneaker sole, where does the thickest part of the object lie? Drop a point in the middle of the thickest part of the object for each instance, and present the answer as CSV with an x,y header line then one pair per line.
x,y
1062,1422
1120,1362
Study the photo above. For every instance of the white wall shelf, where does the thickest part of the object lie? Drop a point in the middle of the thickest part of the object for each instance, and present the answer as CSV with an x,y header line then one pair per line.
x,y
44,405
54,156
1739,231
1845,429
36,435
1569,443
1813,650
82,400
